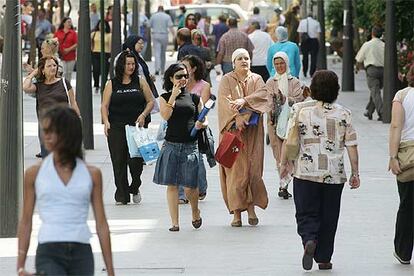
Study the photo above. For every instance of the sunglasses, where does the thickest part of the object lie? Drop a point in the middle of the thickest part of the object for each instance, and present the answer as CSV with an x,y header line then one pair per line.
x,y
180,76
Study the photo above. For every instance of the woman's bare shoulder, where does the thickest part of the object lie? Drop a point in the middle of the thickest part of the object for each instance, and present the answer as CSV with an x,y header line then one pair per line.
x,y
94,171
33,170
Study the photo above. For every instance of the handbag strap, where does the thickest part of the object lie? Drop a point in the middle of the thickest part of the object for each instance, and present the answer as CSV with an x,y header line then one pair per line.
x,y
307,25
66,90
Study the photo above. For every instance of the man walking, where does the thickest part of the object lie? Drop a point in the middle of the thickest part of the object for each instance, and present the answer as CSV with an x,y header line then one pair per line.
x,y
185,45
261,42
159,23
256,17
309,32
229,42
219,29
371,56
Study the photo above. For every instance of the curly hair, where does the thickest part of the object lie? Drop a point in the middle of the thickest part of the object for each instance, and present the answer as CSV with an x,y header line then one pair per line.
x,y
53,44
169,73
40,76
324,86
66,124
120,66
195,61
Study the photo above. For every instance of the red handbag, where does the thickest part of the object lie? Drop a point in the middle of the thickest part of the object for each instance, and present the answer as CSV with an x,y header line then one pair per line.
x,y
229,149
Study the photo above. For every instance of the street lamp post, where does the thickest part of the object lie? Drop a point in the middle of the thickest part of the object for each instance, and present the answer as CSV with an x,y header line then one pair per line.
x,y
348,83
11,126
116,33
148,50
102,54
125,11
135,18
390,61
83,75
322,47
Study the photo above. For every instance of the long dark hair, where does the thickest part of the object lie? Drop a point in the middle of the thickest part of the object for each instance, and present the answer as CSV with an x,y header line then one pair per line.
x,y
63,23
66,124
120,66
98,25
174,68
40,76
195,61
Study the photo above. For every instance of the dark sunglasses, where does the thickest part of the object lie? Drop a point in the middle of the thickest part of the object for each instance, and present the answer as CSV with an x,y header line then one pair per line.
x,y
180,76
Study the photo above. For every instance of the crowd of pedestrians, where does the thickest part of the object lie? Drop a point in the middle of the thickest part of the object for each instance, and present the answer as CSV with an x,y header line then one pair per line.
x,y
260,88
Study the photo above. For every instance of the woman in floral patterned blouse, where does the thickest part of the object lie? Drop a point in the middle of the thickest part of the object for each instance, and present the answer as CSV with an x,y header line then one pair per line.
x,y
325,130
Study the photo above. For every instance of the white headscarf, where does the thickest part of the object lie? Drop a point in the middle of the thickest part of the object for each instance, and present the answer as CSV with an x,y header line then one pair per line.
x,y
237,53
282,79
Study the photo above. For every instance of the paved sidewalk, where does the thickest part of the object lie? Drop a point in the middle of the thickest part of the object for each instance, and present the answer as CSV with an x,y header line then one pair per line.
x,y
142,243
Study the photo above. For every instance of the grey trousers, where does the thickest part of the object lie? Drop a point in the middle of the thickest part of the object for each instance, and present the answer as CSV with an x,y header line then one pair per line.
x,y
159,43
375,81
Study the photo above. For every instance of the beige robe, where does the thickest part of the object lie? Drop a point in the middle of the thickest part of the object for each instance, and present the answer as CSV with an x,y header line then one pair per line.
x,y
295,95
242,185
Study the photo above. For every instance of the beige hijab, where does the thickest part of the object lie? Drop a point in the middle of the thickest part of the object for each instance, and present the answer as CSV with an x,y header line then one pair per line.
x,y
283,78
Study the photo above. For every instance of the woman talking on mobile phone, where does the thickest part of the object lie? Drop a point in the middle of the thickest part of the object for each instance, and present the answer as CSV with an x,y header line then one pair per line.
x,y
178,163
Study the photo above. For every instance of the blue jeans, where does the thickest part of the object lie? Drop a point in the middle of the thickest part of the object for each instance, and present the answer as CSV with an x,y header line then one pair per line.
x,y
226,67
202,180
64,258
43,150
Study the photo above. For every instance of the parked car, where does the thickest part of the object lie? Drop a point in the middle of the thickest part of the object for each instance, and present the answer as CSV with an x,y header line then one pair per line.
x,y
212,10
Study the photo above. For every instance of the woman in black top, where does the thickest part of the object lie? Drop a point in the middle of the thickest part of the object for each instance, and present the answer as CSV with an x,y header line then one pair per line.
x,y
179,157
127,100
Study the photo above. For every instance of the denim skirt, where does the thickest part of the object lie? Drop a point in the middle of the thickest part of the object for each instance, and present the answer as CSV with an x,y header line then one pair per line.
x,y
178,164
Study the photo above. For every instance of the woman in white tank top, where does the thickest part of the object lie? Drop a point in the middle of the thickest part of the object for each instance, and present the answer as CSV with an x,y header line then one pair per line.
x,y
402,139
62,187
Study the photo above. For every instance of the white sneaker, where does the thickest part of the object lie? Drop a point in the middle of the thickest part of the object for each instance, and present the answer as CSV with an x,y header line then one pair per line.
x,y
137,198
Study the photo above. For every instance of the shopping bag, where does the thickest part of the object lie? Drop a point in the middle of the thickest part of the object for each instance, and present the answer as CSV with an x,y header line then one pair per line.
x,y
162,130
282,120
132,146
148,147
229,149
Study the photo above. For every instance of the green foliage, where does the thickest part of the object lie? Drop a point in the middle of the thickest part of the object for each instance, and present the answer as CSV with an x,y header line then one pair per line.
x,y
372,12
334,15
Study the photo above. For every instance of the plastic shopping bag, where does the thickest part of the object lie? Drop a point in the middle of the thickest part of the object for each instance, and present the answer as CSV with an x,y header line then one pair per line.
x,y
162,130
282,121
132,146
148,147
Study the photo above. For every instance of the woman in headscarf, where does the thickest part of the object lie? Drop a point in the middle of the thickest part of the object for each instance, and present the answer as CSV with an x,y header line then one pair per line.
x,y
283,45
135,44
242,184
283,86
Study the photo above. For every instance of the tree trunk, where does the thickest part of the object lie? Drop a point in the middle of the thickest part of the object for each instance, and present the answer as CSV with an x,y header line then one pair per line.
x,y
32,35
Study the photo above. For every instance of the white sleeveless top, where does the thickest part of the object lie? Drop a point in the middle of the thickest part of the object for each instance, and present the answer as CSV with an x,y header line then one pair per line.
x,y
63,209
406,98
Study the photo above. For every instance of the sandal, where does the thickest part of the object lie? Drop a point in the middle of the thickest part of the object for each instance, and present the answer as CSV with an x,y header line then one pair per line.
x,y
202,196
197,223
253,221
175,228
183,201
236,223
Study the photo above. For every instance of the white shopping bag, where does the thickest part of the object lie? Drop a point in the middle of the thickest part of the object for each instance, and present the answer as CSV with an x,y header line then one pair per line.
x,y
147,146
132,146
